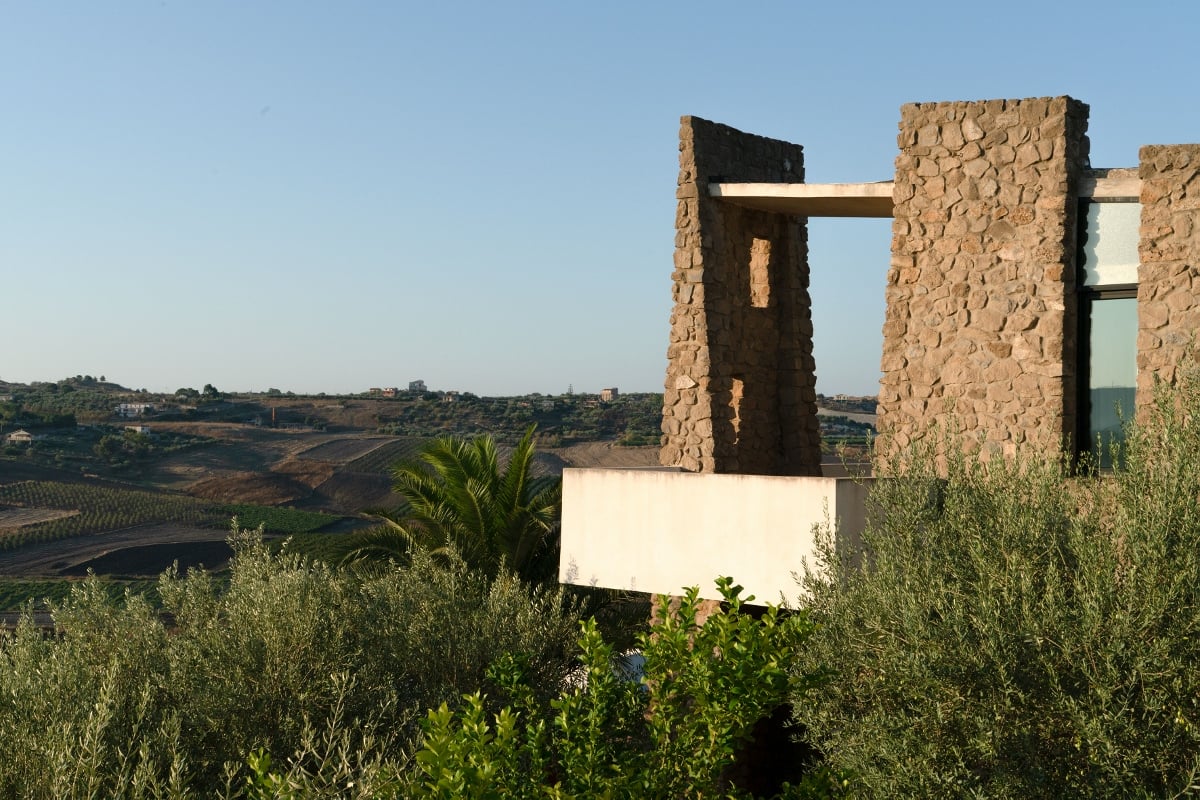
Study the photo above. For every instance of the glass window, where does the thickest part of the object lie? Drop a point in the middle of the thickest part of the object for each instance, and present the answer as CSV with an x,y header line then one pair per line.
x,y
1110,243
1111,368
1108,258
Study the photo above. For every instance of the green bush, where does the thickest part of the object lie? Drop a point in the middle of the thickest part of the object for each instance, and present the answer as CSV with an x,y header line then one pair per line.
x,y
673,734
325,672
1018,629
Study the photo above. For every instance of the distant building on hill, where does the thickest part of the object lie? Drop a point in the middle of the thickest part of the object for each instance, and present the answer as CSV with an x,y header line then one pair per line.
x,y
19,437
390,391
417,386
133,409
607,395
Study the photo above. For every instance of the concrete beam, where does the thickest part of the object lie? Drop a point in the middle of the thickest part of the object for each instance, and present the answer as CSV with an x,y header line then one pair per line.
x,y
810,199
875,199
1111,184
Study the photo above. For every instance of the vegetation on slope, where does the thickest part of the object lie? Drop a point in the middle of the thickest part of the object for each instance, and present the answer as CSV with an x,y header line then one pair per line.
x,y
324,670
1020,629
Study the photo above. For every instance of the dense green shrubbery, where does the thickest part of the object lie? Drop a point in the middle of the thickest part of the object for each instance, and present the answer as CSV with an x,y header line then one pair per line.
x,y
673,733
1018,631
326,671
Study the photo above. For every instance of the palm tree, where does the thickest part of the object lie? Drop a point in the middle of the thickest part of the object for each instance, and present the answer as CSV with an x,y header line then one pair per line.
x,y
457,496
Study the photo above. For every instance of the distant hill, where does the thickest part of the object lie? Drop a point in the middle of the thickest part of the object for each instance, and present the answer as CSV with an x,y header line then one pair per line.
x,y
95,484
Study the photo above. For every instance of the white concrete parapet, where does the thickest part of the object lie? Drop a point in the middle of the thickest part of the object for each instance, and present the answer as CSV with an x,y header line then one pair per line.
x,y
659,530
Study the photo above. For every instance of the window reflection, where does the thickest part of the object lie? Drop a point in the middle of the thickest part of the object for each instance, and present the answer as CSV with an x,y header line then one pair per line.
x,y
1111,369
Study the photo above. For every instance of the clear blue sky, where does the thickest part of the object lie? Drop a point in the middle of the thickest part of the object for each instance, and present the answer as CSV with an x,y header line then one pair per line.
x,y
333,196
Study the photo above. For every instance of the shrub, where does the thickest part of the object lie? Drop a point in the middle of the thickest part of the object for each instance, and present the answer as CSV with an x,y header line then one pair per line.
x,y
323,675
1018,630
673,734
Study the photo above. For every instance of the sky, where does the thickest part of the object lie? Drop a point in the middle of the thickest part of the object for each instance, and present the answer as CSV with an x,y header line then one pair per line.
x,y
327,197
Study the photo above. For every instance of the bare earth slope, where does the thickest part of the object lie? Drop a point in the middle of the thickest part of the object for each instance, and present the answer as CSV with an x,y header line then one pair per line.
x,y
606,455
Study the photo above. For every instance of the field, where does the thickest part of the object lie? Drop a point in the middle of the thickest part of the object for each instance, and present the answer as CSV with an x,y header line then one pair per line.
x,y
85,509
13,518
380,460
64,558
342,451
63,513
58,524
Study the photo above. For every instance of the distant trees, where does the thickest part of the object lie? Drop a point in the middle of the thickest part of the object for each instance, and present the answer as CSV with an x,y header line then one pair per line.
x,y
36,417
124,447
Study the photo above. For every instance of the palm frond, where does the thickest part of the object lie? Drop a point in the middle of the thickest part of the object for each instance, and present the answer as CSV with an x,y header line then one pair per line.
x,y
458,497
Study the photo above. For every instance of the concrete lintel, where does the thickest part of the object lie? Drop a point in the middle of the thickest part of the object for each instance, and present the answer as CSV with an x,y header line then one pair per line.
x,y
875,199
1111,184
810,199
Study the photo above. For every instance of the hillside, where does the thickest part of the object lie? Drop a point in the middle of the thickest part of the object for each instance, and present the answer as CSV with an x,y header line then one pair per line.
x,y
128,489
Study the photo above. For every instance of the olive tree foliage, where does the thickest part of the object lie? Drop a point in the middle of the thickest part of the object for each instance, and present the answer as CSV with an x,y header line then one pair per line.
x,y
1019,628
323,674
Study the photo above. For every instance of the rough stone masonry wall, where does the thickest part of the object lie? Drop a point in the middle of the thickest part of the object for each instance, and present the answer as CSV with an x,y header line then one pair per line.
x,y
1169,273
981,311
740,385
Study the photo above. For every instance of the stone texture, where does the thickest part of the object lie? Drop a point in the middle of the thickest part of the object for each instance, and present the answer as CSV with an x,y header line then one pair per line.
x,y
981,329
983,273
1169,273
740,377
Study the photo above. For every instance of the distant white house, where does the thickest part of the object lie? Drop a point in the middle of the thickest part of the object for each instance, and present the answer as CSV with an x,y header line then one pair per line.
x,y
133,409
142,429
19,437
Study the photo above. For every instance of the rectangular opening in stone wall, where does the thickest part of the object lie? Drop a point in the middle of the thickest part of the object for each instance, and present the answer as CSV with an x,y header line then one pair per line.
x,y
1108,324
760,273
848,265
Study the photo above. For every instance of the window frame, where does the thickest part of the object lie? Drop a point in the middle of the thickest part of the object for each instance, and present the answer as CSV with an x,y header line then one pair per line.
x,y
1086,297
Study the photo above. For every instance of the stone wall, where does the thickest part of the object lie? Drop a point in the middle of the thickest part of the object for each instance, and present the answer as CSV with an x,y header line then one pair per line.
x,y
981,307
1169,274
740,386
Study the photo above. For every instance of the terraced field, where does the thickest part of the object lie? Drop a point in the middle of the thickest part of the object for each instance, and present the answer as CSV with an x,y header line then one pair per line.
x,y
345,450
381,459
13,518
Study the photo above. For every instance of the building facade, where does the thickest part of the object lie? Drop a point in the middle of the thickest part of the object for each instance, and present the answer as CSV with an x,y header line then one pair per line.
x,y
1027,294
1031,301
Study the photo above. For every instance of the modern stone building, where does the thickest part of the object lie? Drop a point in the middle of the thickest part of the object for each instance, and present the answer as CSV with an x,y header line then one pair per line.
x,y
1029,297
